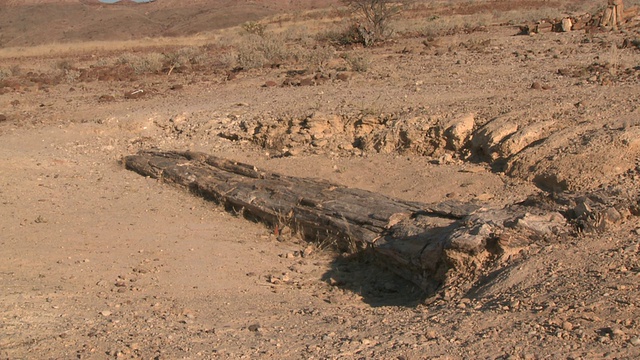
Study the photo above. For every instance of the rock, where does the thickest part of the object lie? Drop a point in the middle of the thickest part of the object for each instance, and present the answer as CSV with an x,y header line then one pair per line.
x,y
525,137
106,98
3,118
254,327
548,224
135,94
343,76
567,326
176,87
469,240
307,82
431,335
285,230
458,130
320,143
631,138
445,159
635,341
105,313
566,25
618,333
290,82
493,133
308,251
536,86
484,197
612,216
270,83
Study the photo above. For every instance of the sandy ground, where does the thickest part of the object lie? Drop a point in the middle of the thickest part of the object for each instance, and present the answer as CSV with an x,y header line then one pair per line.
x,y
99,262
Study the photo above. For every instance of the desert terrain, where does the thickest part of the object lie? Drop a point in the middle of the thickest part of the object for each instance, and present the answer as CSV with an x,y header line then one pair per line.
x,y
98,262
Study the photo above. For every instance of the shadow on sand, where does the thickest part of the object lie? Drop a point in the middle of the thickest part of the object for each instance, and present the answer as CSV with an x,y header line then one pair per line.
x,y
362,274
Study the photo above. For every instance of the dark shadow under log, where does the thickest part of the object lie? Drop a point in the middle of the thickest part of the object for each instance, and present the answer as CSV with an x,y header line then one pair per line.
x,y
448,243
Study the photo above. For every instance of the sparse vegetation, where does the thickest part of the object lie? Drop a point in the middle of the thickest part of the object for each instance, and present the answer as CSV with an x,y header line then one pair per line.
x,y
258,51
5,73
255,28
358,63
373,17
142,64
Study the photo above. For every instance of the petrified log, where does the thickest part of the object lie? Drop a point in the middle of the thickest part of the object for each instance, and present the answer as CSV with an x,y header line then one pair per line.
x,y
613,15
429,244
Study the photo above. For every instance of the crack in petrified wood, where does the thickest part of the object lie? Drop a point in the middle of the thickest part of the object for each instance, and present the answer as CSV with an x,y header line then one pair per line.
x,y
425,243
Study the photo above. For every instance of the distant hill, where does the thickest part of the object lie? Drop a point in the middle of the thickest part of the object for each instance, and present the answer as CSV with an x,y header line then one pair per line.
x,y
36,22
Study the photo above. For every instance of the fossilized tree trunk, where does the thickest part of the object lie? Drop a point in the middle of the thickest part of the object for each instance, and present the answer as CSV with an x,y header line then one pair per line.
x,y
428,244
613,15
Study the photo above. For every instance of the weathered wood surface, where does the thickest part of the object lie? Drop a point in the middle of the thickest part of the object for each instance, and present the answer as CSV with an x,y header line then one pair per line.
x,y
428,244
614,15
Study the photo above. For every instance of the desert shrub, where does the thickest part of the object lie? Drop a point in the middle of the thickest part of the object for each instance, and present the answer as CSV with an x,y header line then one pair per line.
x,y
5,73
348,35
16,70
320,56
126,59
358,63
258,51
102,62
254,28
375,16
149,63
71,76
63,65
228,59
143,64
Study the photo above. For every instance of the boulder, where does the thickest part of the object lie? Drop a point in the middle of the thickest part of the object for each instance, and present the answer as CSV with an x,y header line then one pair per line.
x,y
458,131
491,134
524,137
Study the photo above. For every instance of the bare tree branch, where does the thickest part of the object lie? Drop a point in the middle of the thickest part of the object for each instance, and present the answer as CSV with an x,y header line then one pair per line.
x,y
376,15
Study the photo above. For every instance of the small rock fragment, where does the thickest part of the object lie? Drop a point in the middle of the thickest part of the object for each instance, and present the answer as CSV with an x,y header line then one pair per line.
x,y
431,335
343,76
308,251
